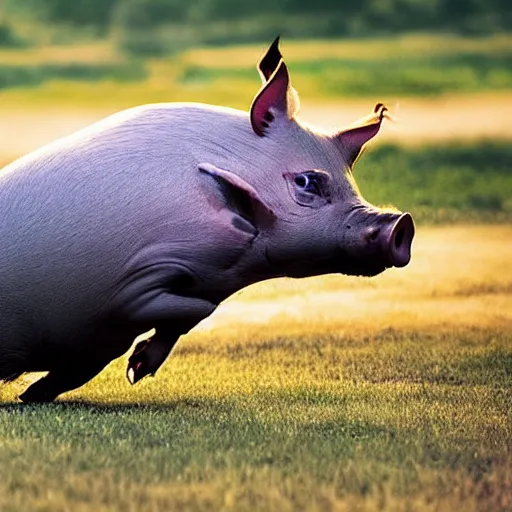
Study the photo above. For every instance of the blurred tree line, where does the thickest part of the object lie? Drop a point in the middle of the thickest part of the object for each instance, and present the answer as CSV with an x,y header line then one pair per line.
x,y
155,25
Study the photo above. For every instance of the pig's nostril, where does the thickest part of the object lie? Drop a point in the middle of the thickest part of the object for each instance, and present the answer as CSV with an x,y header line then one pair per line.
x,y
399,237
400,240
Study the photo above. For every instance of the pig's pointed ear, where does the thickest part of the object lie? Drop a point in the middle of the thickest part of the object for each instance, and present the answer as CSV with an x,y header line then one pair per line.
x,y
269,62
352,140
228,192
275,99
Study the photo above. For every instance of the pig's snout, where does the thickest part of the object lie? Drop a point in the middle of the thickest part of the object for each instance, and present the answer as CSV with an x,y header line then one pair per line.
x,y
393,240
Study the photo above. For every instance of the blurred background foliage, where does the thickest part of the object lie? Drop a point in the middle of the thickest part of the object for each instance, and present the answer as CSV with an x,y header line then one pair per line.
x,y
137,30
160,26
394,50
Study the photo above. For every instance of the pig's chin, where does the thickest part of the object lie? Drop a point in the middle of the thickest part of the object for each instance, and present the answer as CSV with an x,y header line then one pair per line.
x,y
302,271
363,271
340,263
307,268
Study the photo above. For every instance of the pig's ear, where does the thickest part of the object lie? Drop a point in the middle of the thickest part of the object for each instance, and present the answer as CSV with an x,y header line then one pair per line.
x,y
231,193
353,139
269,62
274,100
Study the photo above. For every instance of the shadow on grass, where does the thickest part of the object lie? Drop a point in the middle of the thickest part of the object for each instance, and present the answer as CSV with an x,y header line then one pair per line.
x,y
99,407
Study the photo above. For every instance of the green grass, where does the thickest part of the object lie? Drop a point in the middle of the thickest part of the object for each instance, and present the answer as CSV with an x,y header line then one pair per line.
x,y
390,420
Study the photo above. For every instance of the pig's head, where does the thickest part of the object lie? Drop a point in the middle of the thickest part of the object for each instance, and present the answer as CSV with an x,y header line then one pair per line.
x,y
299,198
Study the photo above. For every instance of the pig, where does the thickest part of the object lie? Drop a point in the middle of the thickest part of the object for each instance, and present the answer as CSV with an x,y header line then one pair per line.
x,y
152,217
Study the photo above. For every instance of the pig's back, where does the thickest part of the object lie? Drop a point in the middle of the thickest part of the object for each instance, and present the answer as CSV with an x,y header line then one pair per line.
x,y
76,211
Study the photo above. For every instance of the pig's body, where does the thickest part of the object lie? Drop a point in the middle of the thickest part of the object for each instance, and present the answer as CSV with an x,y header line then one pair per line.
x,y
94,225
152,217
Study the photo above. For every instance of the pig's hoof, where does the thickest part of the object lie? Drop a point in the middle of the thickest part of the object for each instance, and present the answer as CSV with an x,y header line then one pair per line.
x,y
138,364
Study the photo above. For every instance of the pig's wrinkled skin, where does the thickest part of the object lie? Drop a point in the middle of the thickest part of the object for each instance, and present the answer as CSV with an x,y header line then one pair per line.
x,y
153,216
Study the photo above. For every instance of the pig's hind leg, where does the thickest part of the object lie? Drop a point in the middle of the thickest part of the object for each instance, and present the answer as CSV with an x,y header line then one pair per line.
x,y
17,343
70,371
66,378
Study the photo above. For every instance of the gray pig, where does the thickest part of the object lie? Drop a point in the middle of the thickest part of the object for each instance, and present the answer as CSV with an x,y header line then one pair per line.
x,y
153,216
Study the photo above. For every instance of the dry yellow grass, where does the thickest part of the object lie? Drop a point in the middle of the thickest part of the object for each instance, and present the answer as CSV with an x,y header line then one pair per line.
x,y
31,117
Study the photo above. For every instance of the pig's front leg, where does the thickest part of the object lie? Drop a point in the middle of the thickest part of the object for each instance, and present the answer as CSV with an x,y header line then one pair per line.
x,y
171,316
150,354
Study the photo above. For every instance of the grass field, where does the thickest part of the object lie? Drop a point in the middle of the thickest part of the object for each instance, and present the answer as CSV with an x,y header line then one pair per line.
x,y
328,394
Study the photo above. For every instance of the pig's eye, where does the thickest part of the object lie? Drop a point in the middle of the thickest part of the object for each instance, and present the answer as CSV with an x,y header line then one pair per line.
x,y
309,188
311,182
